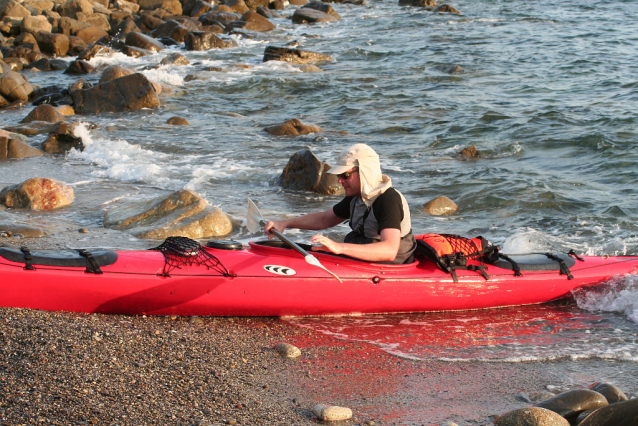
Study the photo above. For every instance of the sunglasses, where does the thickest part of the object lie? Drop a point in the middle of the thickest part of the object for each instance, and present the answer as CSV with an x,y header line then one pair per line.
x,y
346,175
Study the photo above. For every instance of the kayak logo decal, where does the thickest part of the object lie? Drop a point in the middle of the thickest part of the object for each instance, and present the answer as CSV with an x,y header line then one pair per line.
x,y
280,270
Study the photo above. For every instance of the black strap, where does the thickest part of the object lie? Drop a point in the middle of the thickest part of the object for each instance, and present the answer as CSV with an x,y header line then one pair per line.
x,y
564,270
515,267
91,265
481,269
28,259
573,253
361,229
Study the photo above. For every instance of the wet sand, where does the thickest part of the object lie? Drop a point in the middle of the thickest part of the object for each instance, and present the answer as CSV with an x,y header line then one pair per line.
x,y
68,368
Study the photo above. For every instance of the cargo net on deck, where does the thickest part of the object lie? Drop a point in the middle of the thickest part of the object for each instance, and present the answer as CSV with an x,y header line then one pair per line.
x,y
182,251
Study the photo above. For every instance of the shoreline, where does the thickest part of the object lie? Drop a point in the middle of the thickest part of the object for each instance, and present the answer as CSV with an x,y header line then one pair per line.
x,y
72,368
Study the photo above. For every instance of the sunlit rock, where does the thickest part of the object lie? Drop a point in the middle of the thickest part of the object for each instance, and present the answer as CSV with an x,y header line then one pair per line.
x,y
332,413
533,416
440,206
37,194
182,213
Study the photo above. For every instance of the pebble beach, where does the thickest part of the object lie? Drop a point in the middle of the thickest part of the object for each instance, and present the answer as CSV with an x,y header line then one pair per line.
x,y
69,368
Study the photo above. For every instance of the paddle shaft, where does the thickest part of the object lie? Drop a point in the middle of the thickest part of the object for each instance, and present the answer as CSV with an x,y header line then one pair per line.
x,y
281,236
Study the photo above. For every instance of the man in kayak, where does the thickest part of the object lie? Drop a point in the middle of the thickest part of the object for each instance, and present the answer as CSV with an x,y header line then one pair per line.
x,y
379,214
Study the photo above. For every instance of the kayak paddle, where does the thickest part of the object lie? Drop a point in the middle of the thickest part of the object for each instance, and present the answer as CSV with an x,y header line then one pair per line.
x,y
255,220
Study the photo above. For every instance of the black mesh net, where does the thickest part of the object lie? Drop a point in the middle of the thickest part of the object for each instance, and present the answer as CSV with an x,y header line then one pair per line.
x,y
180,251
462,245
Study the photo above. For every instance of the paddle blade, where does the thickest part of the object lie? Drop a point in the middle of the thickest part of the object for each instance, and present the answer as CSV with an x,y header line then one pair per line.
x,y
315,262
253,219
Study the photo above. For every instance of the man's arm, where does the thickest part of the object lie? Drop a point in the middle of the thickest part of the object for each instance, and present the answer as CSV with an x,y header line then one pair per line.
x,y
385,250
312,221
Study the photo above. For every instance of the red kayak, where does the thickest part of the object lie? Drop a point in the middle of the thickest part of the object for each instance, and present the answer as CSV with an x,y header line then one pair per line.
x,y
266,278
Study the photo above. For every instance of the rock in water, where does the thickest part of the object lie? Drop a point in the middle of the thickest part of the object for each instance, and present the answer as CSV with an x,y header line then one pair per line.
x,y
440,206
305,172
294,56
293,127
128,93
37,194
11,148
182,213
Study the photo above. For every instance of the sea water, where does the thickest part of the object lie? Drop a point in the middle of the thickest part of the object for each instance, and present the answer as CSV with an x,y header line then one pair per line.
x,y
546,91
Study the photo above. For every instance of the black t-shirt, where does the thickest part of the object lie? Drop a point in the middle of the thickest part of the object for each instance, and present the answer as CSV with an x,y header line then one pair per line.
x,y
387,208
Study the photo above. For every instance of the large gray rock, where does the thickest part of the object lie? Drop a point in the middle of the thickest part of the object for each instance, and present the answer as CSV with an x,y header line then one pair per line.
x,y
310,16
127,93
533,416
11,148
305,172
294,56
182,213
569,404
624,413
37,194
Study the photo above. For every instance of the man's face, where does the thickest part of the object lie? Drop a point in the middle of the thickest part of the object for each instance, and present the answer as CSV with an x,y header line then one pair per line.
x,y
351,182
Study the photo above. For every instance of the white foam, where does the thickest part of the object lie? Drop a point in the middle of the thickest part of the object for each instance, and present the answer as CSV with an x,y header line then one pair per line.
x,y
164,74
118,159
619,295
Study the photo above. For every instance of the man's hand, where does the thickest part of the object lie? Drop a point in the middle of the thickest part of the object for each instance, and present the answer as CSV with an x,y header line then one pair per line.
x,y
279,225
326,244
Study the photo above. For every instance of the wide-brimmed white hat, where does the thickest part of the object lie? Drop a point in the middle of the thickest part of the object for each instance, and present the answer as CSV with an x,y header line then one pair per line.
x,y
351,156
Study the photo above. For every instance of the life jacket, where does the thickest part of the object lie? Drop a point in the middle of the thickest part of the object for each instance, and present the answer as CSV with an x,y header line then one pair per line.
x,y
451,252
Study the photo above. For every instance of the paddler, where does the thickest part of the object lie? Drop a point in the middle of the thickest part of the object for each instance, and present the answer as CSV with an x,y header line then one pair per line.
x,y
379,214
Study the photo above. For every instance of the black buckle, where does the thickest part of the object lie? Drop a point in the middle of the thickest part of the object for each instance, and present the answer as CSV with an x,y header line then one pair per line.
x,y
91,264
573,253
28,259
564,270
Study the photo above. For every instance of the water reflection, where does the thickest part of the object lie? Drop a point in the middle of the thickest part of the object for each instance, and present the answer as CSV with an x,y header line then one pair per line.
x,y
527,333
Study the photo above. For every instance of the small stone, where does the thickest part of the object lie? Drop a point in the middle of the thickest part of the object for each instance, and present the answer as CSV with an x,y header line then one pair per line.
x,y
83,231
332,413
195,321
287,350
178,121
469,152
